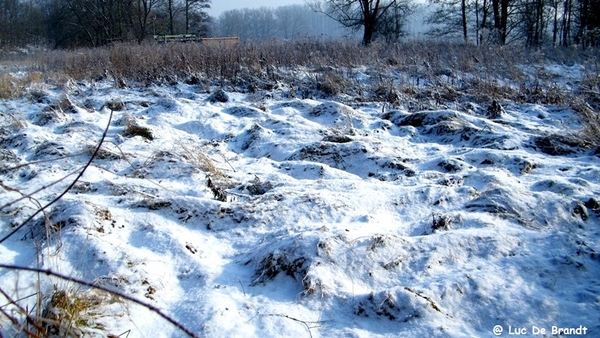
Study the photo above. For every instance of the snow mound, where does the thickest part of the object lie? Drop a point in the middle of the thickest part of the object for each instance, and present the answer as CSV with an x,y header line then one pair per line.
x,y
292,216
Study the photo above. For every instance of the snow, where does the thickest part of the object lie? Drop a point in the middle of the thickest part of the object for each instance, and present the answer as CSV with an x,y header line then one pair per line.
x,y
340,218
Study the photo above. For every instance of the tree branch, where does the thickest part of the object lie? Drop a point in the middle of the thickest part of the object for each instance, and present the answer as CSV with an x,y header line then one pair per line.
x,y
67,189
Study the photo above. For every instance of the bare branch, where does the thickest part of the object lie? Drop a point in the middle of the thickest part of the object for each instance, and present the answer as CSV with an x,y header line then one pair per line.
x,y
67,189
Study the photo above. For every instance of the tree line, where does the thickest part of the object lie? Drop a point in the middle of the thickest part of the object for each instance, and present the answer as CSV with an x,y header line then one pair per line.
x,y
285,22
73,23
530,22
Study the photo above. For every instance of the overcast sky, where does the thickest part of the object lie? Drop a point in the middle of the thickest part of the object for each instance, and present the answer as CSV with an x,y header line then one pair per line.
x,y
219,6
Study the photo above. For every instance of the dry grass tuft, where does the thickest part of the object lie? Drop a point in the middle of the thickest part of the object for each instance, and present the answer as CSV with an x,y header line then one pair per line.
x,y
216,180
67,313
331,84
71,313
590,134
15,86
13,121
132,128
10,86
200,160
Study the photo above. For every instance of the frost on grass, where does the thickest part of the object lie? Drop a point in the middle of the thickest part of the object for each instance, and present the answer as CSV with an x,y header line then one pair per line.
x,y
134,128
557,145
77,313
340,116
218,95
397,304
290,257
451,127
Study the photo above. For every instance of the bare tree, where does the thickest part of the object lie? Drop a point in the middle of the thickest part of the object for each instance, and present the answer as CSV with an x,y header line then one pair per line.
x,y
450,18
555,5
191,7
171,12
286,22
182,16
142,11
532,18
291,21
392,23
501,12
21,22
356,13
230,23
588,33
248,23
481,25
566,22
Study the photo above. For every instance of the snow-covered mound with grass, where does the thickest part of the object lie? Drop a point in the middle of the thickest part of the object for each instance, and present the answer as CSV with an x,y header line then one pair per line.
x,y
287,217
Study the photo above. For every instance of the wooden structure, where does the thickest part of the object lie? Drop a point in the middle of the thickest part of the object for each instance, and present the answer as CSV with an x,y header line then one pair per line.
x,y
192,37
175,38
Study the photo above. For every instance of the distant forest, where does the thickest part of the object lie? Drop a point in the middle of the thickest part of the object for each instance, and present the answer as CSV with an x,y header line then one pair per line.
x,y
89,23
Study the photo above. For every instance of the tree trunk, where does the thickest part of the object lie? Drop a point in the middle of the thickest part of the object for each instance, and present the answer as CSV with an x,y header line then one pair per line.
x,y
369,29
477,22
497,24
484,18
503,20
187,17
555,24
566,33
583,23
171,11
463,7
370,19
541,23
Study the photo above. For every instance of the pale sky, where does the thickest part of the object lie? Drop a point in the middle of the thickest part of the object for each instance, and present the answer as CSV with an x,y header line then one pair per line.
x,y
218,6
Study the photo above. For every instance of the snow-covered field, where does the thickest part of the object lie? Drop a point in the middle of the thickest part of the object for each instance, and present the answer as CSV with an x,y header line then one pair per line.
x,y
274,216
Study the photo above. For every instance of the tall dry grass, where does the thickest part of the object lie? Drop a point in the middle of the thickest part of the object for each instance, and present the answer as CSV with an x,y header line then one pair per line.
x,y
243,64
415,73
408,74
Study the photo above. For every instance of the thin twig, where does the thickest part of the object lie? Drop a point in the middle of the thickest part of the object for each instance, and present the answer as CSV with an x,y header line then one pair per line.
x,y
16,323
20,299
24,195
34,201
305,323
429,300
242,285
30,320
227,161
45,160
